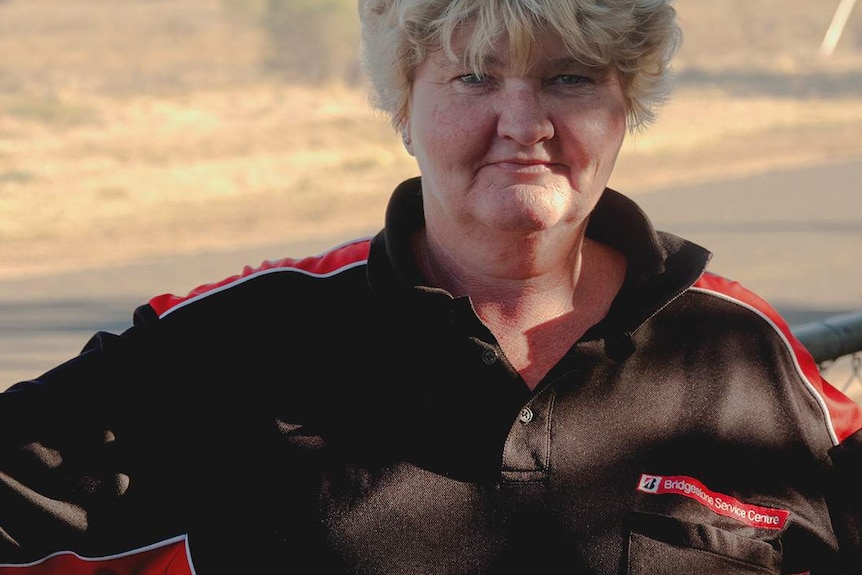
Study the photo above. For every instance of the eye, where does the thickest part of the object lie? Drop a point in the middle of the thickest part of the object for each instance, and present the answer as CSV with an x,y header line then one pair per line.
x,y
473,78
570,80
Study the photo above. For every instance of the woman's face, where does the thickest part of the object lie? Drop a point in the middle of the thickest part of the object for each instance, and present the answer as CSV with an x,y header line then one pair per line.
x,y
514,152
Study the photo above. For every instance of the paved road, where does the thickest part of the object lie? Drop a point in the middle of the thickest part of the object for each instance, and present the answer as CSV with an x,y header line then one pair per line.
x,y
795,237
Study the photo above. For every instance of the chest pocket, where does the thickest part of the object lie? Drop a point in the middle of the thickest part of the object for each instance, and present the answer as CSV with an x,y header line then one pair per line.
x,y
660,545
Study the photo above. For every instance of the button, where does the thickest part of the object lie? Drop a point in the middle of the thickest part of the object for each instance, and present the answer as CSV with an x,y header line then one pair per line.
x,y
489,356
526,415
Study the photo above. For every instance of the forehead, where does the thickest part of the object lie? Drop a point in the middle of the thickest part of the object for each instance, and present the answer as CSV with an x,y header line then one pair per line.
x,y
469,46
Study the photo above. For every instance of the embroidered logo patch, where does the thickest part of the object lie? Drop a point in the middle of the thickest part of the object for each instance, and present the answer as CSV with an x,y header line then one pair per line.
x,y
756,516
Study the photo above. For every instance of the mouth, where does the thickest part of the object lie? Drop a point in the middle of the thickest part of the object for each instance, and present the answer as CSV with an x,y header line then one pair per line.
x,y
522,165
525,167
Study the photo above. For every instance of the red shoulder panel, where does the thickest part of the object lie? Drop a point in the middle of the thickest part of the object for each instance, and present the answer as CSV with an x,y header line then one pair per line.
x,y
331,262
843,415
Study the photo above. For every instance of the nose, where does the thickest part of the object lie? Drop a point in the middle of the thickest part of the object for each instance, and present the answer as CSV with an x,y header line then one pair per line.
x,y
522,116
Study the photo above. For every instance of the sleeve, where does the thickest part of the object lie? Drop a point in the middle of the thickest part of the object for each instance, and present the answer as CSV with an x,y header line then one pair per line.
x,y
69,441
148,448
845,501
840,417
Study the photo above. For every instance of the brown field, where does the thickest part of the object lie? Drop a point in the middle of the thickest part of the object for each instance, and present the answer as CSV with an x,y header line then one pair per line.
x,y
138,128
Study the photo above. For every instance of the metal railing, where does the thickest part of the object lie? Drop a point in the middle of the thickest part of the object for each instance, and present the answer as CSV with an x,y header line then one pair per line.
x,y
836,344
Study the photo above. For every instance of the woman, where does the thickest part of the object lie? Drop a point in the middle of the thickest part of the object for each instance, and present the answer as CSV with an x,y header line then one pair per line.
x,y
518,373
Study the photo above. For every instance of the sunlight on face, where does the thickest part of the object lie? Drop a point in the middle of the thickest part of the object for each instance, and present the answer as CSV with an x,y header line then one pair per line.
x,y
515,148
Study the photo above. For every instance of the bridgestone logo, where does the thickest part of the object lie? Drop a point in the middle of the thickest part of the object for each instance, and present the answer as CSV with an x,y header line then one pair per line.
x,y
762,517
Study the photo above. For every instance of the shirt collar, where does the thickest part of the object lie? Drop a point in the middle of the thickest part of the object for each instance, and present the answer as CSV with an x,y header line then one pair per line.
x,y
660,264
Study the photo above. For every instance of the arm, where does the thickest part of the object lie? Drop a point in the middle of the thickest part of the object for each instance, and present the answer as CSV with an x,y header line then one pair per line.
x,y
69,441
845,501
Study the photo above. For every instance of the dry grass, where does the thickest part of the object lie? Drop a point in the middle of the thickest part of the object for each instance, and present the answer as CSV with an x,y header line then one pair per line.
x,y
154,176
135,129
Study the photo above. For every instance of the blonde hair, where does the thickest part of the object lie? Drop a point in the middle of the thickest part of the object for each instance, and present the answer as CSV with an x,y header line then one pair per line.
x,y
637,38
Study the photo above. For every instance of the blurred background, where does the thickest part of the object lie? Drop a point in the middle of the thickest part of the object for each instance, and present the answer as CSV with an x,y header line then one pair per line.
x,y
153,145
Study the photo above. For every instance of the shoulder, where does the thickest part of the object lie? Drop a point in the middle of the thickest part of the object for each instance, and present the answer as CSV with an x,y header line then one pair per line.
x,y
778,346
329,264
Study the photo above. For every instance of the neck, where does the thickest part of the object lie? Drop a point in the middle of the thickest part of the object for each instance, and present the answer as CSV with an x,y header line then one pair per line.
x,y
537,308
505,267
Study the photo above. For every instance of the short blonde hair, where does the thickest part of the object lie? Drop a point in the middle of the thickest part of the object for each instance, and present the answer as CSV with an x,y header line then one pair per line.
x,y
637,38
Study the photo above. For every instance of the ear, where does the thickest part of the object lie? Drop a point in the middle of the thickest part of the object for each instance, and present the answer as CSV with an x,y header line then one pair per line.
x,y
406,138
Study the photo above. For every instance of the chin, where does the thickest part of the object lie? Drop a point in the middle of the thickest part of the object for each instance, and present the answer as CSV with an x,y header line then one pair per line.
x,y
532,212
527,221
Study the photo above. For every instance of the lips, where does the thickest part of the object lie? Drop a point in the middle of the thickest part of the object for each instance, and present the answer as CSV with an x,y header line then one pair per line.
x,y
529,166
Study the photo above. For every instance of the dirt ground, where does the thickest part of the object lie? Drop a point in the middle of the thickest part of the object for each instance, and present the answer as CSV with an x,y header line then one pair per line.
x,y
137,129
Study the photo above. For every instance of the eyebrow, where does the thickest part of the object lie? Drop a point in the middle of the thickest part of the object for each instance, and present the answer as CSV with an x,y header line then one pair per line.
x,y
492,60
569,62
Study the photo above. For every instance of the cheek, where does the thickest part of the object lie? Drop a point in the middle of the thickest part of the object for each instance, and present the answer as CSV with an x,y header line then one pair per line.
x,y
615,124
597,138
612,136
616,135
452,133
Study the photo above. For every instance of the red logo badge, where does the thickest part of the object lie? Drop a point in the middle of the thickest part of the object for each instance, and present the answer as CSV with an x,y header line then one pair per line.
x,y
756,516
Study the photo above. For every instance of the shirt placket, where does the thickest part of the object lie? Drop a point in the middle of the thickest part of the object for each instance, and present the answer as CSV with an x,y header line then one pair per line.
x,y
526,454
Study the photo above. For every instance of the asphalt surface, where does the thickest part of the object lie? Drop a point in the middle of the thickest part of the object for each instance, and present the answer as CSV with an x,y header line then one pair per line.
x,y
795,237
